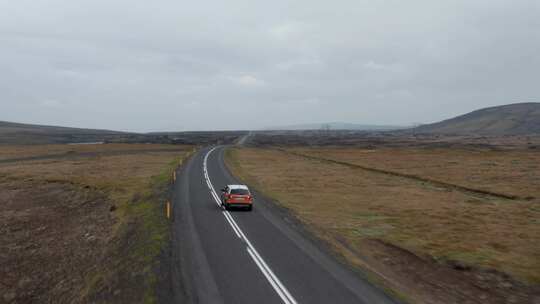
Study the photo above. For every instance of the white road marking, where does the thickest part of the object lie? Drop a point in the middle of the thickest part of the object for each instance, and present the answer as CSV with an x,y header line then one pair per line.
x,y
265,269
232,225
276,288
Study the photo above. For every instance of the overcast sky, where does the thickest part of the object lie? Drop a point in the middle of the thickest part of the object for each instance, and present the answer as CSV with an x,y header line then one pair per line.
x,y
192,65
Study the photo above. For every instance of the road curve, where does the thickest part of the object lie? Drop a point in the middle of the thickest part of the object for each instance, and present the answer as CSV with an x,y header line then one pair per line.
x,y
250,257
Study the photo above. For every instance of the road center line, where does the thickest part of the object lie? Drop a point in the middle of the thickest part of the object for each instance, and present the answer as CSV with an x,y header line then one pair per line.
x,y
261,264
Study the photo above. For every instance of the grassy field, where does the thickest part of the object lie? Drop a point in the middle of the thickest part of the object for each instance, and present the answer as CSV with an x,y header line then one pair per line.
x,y
386,223
21,151
514,173
93,226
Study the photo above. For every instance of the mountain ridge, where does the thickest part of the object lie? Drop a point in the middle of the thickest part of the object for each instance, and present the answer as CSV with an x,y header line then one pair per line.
x,y
22,133
510,119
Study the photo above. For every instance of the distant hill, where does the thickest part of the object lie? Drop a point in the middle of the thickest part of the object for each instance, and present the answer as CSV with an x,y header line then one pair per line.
x,y
22,134
337,126
18,133
512,119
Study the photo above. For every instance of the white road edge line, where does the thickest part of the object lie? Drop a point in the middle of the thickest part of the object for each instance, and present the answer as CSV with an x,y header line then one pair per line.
x,y
276,288
265,269
234,228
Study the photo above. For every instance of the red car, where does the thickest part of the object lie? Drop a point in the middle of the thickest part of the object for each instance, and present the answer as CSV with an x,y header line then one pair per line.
x,y
236,196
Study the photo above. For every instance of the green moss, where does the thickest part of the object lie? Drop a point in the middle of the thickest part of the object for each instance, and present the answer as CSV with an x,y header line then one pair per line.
x,y
152,227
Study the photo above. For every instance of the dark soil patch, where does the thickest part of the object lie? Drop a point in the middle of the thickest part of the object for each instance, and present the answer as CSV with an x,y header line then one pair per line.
x,y
51,236
425,280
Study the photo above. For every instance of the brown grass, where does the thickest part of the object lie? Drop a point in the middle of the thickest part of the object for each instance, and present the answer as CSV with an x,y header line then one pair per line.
x,y
509,172
350,206
119,176
134,185
19,151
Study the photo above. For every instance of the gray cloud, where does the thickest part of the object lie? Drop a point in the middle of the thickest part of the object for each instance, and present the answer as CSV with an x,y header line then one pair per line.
x,y
178,65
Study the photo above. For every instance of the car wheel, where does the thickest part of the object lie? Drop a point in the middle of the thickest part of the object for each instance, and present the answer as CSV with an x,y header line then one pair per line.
x,y
250,208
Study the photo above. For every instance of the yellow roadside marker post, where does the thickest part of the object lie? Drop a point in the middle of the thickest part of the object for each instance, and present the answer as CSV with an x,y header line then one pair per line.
x,y
168,209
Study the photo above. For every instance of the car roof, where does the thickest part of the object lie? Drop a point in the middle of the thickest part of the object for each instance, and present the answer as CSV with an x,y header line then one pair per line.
x,y
237,187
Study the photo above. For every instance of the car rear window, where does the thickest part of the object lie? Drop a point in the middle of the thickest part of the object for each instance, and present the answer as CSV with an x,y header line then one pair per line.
x,y
240,191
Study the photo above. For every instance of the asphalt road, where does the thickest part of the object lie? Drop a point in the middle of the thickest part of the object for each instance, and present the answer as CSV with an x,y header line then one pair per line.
x,y
250,257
